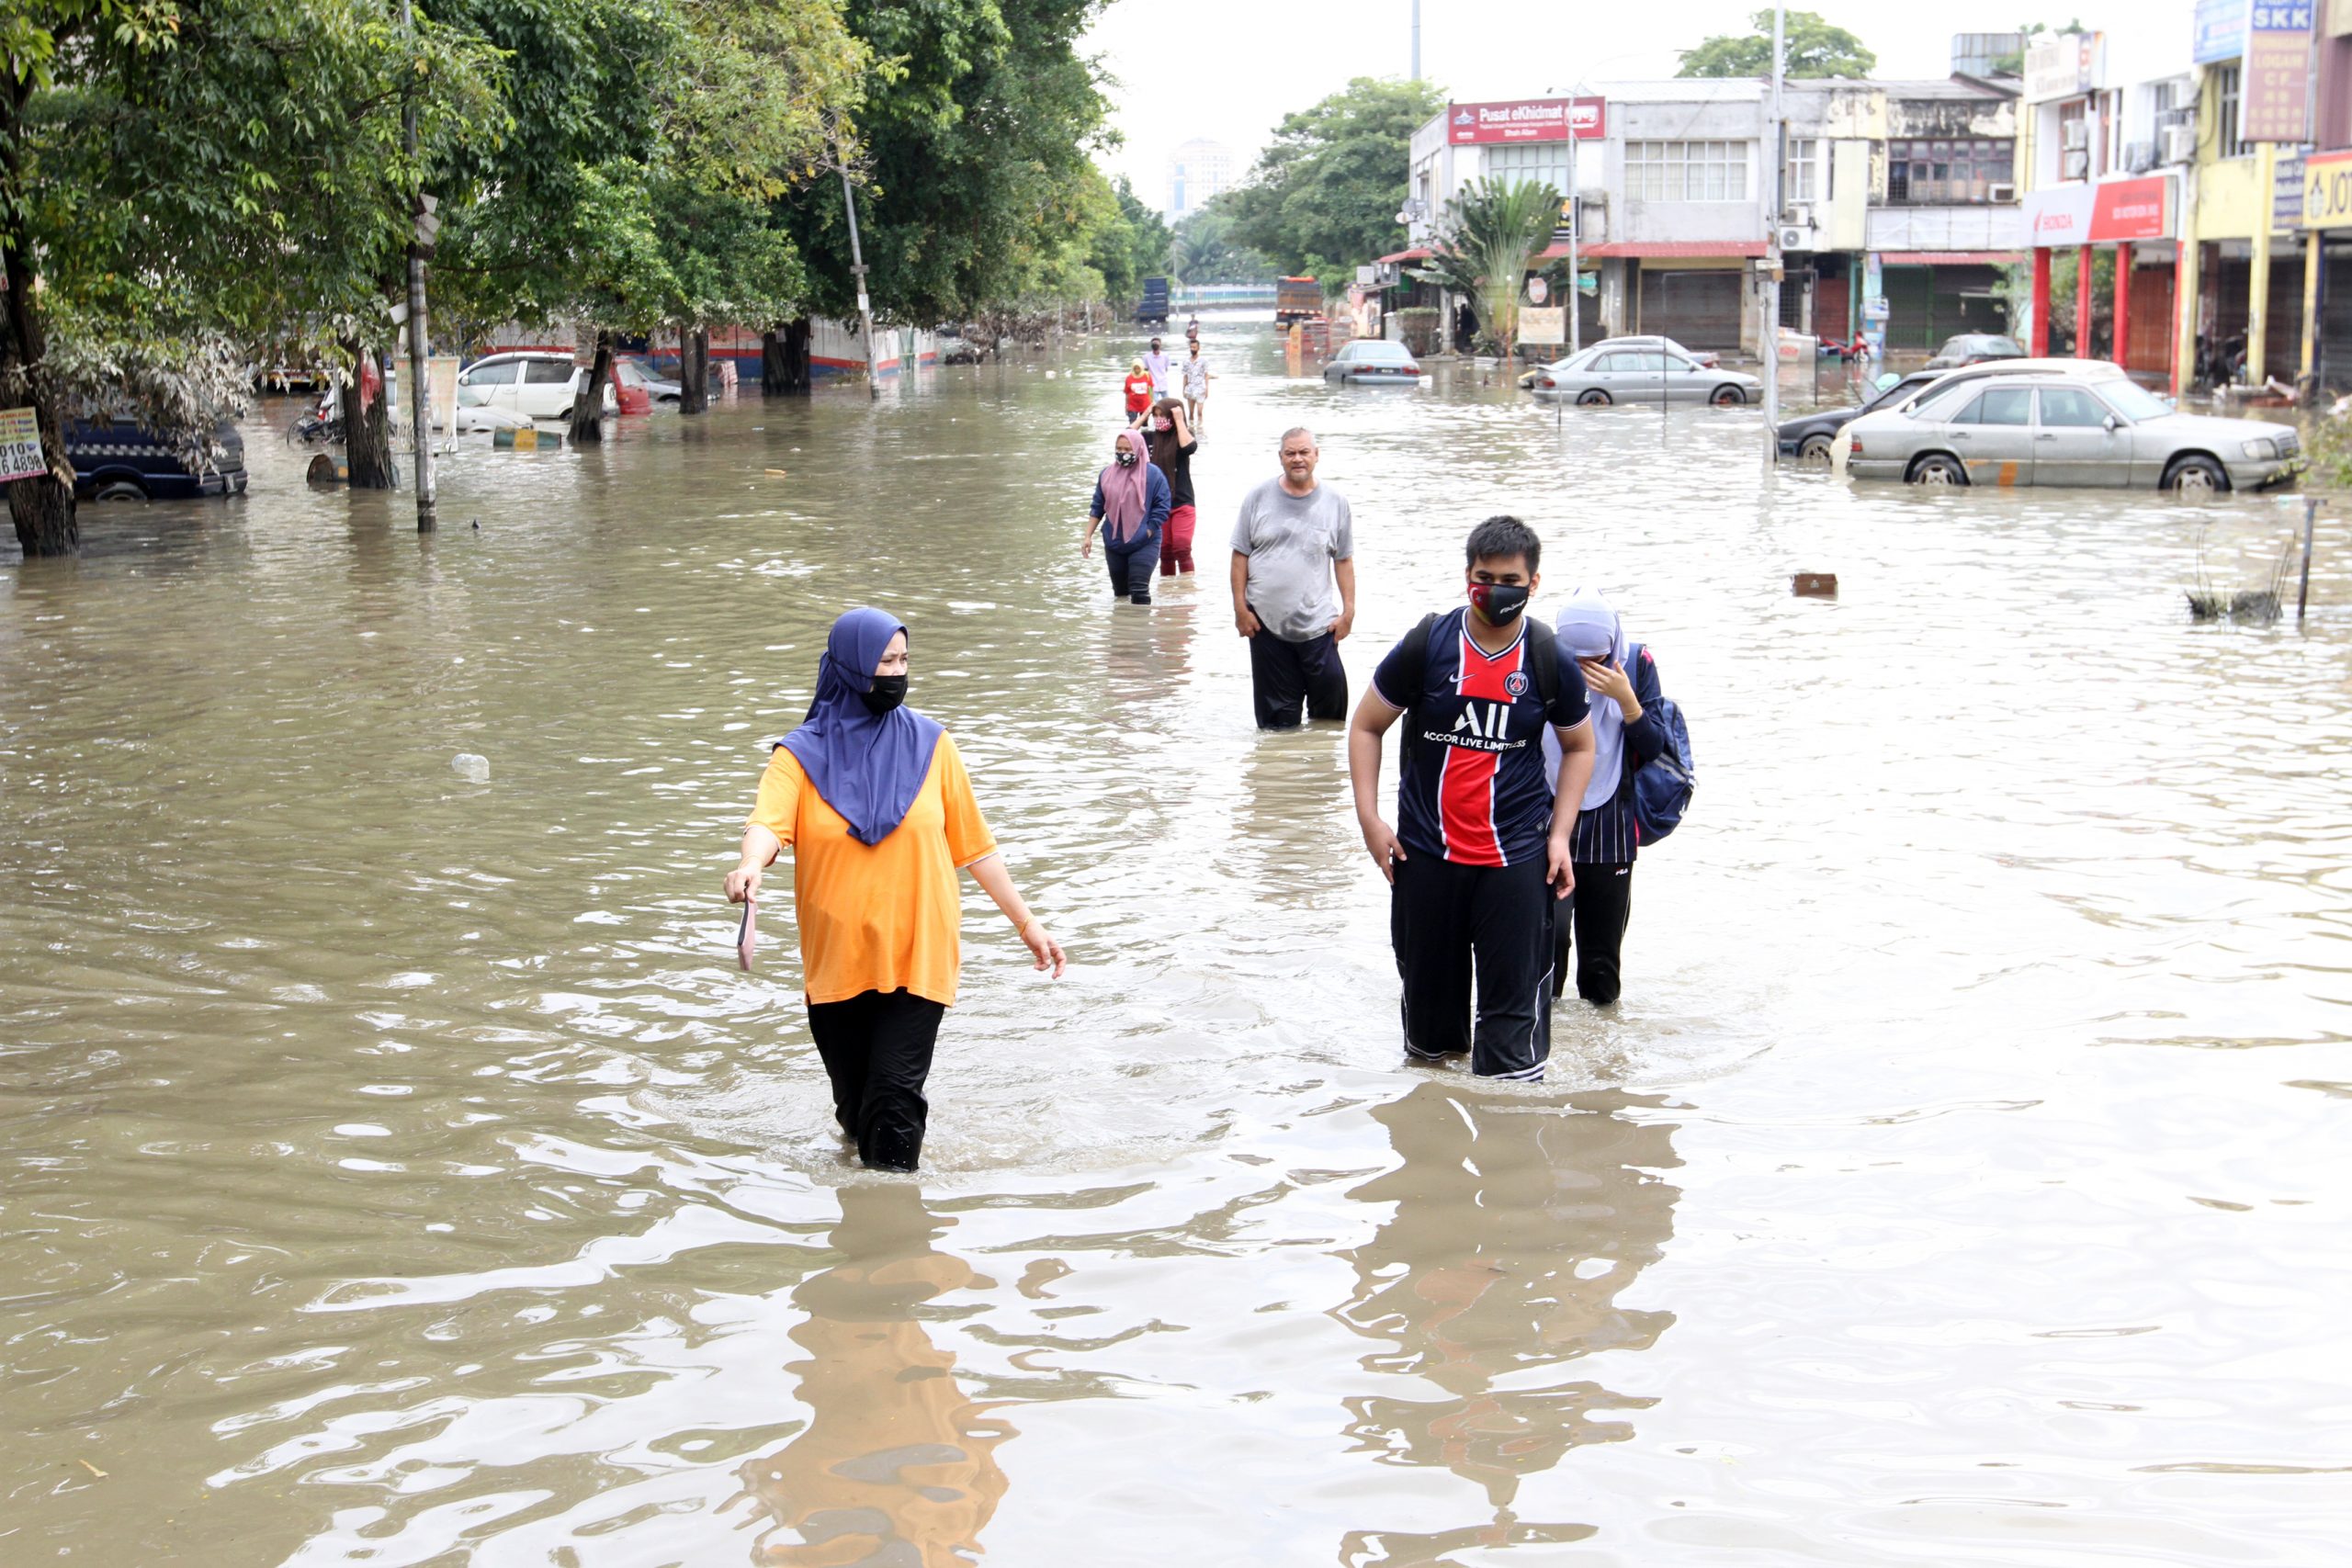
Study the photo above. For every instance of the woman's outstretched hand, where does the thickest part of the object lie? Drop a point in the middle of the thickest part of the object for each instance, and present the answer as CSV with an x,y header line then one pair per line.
x,y
1042,948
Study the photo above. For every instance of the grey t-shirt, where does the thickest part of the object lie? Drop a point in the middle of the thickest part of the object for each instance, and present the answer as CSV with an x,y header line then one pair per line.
x,y
1290,541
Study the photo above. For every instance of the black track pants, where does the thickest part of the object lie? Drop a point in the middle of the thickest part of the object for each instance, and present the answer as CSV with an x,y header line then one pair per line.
x,y
1452,924
1283,674
877,1047
1599,910
1131,566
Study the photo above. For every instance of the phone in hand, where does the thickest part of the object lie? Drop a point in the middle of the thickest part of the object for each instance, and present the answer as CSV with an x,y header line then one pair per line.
x,y
747,934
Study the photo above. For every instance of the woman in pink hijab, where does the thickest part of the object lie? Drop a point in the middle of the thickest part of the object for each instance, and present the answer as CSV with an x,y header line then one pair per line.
x,y
1131,502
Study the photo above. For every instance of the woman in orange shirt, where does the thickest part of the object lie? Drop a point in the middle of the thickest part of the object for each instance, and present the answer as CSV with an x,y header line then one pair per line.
x,y
872,799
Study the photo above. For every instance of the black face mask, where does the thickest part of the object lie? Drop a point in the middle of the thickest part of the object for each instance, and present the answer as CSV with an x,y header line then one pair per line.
x,y
1126,458
887,691
1498,603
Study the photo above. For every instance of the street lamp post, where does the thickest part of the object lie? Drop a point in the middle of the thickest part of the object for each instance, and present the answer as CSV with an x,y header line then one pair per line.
x,y
865,306
1772,255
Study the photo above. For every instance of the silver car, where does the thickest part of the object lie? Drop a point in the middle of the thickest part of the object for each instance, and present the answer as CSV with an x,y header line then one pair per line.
x,y
1373,362
1619,370
2087,423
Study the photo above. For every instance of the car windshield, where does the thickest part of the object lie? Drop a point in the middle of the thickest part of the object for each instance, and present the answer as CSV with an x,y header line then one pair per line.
x,y
1897,392
2133,400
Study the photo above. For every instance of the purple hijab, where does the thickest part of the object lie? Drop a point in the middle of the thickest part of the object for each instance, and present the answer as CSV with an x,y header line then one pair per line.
x,y
868,767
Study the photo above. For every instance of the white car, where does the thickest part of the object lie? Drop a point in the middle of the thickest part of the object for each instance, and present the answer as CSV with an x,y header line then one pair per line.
x,y
534,383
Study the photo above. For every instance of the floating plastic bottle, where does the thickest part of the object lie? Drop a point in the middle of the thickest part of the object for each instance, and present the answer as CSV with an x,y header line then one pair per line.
x,y
474,768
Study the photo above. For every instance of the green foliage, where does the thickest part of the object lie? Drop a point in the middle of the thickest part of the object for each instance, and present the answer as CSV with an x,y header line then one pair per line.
x,y
1131,243
1203,250
1811,48
2014,64
1490,237
2017,291
1327,189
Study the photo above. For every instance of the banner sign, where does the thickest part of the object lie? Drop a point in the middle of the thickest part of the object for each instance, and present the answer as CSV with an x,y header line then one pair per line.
x,y
2218,31
20,455
2327,191
2058,215
2287,188
2104,214
1527,119
1543,324
2277,105
2060,65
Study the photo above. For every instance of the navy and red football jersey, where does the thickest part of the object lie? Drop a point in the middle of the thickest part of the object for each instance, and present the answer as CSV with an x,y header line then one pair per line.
x,y
1472,788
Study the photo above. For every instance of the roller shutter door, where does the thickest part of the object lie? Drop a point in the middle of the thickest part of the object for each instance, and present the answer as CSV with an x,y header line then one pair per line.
x,y
1911,308
1698,310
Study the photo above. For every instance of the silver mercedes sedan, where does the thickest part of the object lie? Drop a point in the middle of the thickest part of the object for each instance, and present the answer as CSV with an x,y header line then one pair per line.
x,y
1631,370
2063,423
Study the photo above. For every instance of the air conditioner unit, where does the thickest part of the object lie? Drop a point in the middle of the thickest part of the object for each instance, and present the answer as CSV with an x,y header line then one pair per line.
x,y
2176,143
1796,238
1799,213
2005,192
2075,133
2075,166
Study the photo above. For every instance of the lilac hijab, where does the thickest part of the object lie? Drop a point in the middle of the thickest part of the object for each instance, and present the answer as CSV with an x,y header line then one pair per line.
x,y
869,767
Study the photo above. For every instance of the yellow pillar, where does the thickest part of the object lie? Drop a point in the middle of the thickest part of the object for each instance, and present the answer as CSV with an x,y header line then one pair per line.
x,y
2258,309
2185,283
2312,238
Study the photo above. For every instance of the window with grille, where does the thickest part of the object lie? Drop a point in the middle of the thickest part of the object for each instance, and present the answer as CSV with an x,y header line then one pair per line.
x,y
1948,173
2225,97
1686,171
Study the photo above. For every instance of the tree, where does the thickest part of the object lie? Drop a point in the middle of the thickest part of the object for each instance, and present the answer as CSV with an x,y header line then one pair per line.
x,y
2014,64
1812,49
1327,189
1489,238
1205,250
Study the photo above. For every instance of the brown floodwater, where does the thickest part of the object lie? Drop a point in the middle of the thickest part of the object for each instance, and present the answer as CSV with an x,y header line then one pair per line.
x,y
397,1169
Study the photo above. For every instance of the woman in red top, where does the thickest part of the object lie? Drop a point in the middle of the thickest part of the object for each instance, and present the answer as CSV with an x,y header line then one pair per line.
x,y
1138,391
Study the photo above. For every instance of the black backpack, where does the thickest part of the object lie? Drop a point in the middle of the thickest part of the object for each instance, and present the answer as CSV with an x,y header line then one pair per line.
x,y
1542,657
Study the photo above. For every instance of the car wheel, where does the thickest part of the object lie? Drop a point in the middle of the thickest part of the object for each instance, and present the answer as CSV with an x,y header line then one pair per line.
x,y
1813,449
1728,397
2195,476
1936,468
118,490
1592,397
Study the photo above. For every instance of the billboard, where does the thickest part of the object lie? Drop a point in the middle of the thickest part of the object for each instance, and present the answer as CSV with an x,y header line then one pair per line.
x,y
2276,106
1526,119
2060,65
2102,214
2218,31
20,454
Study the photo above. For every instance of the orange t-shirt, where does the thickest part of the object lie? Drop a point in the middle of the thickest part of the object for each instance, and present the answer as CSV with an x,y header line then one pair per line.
x,y
877,917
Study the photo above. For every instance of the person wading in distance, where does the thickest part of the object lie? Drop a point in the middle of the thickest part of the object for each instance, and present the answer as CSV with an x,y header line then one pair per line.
x,y
1295,588
1172,442
873,801
1481,852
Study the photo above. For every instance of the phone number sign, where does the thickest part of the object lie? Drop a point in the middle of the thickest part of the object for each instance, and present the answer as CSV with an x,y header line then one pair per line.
x,y
20,455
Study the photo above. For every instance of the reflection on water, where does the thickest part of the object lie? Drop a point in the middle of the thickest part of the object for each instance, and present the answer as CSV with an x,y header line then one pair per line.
x,y
896,1468
1516,1224
397,1169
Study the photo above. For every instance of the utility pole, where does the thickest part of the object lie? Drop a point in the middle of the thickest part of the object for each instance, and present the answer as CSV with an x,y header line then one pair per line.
x,y
420,245
1576,223
1772,256
857,268
1417,39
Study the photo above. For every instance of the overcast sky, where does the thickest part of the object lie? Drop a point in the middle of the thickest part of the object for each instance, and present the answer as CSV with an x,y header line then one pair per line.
x,y
1231,69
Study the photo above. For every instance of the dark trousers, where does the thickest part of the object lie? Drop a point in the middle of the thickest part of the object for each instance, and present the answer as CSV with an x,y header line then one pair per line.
x,y
1132,563
877,1047
1598,913
1453,923
1283,674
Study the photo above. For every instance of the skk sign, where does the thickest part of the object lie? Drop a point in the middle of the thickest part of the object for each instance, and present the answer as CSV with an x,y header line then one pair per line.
x,y
1527,119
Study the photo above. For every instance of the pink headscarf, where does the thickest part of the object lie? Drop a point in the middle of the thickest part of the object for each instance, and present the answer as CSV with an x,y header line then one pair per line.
x,y
1126,491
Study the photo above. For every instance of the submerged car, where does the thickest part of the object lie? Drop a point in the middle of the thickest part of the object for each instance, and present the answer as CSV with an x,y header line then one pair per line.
x,y
2086,425
1808,436
1610,372
1373,362
635,375
118,459
1975,348
537,384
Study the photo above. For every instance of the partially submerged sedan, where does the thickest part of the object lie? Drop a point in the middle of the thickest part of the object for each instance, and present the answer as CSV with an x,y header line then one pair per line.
x,y
1610,372
2087,423
1373,362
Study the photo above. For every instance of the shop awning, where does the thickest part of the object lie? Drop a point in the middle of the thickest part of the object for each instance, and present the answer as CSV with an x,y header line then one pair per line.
x,y
1729,249
1952,258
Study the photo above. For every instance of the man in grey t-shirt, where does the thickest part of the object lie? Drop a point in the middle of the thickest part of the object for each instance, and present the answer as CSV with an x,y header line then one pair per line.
x,y
1294,545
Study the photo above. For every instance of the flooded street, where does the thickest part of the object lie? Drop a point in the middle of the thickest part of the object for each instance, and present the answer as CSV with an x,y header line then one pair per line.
x,y
396,1168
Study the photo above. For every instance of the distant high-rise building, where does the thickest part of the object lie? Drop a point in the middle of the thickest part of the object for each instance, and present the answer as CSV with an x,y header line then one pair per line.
x,y
1198,171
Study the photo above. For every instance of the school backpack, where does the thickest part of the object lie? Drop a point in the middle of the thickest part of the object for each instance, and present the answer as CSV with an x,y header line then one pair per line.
x,y
1663,786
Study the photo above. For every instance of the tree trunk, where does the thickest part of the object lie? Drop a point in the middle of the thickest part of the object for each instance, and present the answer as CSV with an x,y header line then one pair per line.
x,y
367,433
798,334
694,370
43,508
588,408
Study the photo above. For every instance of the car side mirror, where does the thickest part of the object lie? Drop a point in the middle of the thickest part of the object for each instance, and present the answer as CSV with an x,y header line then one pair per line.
x,y
2110,421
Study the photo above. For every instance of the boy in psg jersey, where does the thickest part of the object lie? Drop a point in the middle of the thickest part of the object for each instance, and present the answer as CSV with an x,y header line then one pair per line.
x,y
1481,847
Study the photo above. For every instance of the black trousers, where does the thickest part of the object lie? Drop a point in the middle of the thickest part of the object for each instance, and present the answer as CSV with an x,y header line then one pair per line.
x,y
877,1047
1283,674
1131,565
1598,913
1453,923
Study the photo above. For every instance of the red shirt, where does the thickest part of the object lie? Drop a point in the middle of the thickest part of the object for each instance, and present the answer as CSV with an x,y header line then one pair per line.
x,y
1138,393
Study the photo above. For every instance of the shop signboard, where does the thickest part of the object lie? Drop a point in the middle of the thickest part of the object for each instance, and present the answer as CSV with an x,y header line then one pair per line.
x,y
2217,32
1526,119
2287,189
20,455
2277,105
1543,324
2058,215
2131,209
2327,191
2060,65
